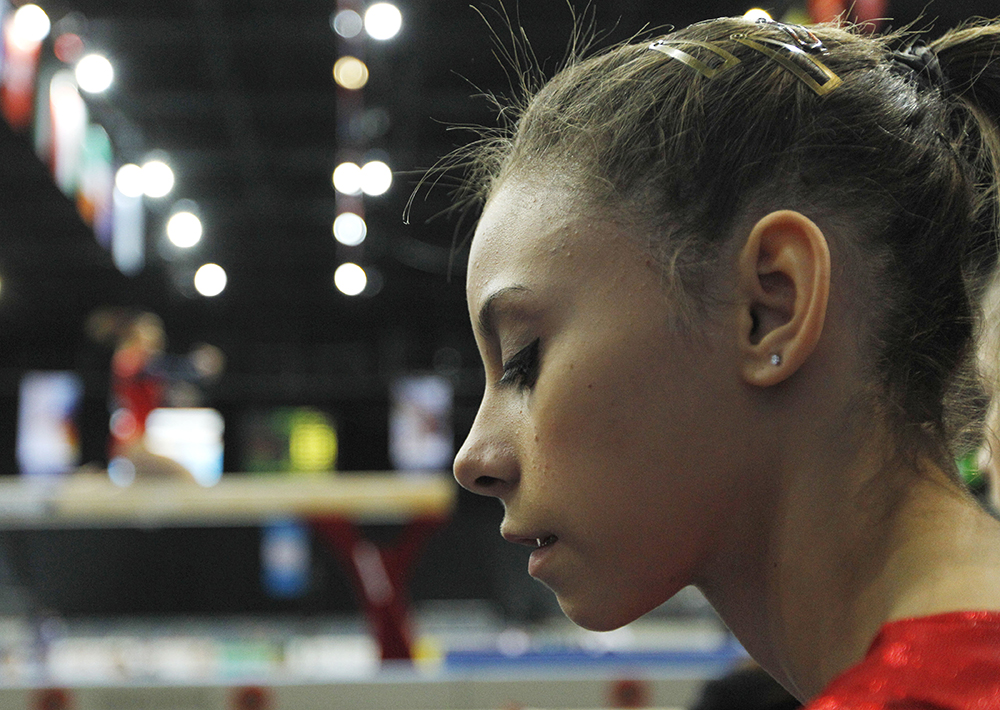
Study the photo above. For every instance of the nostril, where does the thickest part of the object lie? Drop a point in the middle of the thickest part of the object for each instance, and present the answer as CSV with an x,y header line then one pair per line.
x,y
487,482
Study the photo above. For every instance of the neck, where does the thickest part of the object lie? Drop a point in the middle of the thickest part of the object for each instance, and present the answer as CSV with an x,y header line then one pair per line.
x,y
853,544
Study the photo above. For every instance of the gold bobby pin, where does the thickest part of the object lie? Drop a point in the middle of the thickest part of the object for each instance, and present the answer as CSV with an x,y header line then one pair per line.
x,y
832,80
670,47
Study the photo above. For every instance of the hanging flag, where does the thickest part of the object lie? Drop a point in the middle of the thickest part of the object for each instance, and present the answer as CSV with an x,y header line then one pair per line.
x,y
17,78
94,198
69,127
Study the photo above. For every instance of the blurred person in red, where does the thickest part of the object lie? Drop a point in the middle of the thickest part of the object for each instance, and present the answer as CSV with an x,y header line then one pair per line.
x,y
144,377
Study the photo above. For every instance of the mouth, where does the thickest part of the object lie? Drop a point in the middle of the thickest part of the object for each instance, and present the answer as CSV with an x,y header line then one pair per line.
x,y
545,541
533,541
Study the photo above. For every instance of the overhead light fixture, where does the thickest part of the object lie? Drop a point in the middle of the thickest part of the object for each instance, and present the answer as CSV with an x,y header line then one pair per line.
x,y
376,178
128,180
347,179
184,229
383,21
350,229
350,73
157,178
347,23
94,73
350,279
210,280
29,26
756,15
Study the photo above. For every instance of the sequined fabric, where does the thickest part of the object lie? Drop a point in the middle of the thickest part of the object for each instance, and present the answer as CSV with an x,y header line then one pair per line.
x,y
942,662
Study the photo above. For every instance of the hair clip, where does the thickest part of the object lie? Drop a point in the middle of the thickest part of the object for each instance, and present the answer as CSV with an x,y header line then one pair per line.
x,y
670,47
804,38
831,80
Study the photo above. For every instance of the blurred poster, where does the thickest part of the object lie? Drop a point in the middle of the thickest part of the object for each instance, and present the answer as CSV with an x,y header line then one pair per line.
x,y
289,440
48,442
420,430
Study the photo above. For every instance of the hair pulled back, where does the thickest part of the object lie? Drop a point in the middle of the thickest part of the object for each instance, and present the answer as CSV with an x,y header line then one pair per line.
x,y
904,161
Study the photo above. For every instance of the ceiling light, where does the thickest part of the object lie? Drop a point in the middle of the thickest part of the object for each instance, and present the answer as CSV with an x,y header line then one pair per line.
x,y
347,179
94,73
376,178
210,280
350,73
347,23
29,26
383,20
128,180
157,179
756,15
349,229
350,279
184,229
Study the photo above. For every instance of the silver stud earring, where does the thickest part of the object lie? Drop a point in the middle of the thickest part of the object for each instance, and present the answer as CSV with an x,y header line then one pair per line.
x,y
776,359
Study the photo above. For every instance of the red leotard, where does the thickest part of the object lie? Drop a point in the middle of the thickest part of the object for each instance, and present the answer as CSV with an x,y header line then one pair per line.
x,y
941,662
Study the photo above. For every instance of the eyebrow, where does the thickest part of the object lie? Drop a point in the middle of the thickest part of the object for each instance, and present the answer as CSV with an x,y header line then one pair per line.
x,y
485,324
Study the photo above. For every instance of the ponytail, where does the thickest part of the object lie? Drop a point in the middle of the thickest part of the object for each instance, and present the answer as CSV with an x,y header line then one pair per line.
x,y
970,61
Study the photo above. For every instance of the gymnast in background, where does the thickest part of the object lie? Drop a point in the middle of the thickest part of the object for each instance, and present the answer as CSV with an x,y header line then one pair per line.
x,y
144,377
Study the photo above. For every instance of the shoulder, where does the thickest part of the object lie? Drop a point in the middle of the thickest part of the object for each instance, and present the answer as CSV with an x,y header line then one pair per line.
x,y
942,662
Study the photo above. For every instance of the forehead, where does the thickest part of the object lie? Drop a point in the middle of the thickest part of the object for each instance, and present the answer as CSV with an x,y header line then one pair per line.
x,y
526,229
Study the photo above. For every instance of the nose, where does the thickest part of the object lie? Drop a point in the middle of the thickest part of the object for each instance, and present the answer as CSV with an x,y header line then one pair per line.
x,y
487,463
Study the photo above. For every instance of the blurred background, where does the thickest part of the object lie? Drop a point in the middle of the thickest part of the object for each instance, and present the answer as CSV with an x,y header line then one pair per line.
x,y
215,207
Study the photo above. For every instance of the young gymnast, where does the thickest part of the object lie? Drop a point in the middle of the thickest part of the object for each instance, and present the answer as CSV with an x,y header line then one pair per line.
x,y
726,286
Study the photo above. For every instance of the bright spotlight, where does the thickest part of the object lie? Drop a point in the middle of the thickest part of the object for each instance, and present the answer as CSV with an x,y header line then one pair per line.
x,y
184,229
756,14
129,181
349,229
376,178
94,73
157,179
30,26
383,20
350,73
350,279
347,179
347,23
210,280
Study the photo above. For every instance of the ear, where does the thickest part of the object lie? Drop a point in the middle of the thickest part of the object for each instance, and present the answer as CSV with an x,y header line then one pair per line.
x,y
784,282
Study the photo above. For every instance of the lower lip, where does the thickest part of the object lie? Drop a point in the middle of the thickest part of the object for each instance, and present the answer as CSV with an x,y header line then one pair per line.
x,y
538,557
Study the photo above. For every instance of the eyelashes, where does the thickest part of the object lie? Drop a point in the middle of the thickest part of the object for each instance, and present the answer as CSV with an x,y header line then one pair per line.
x,y
521,369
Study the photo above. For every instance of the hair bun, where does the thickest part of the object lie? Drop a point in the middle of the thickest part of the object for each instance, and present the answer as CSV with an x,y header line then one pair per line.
x,y
924,62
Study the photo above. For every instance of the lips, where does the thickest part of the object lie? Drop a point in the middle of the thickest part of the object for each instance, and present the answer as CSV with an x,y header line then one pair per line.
x,y
535,540
541,543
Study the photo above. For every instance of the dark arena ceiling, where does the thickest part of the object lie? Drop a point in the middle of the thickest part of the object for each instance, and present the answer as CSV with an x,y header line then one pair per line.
x,y
238,96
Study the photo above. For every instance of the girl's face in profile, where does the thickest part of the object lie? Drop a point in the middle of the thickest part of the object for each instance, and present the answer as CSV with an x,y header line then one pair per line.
x,y
612,437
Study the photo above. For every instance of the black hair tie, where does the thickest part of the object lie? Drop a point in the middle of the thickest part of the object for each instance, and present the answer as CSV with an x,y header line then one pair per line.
x,y
923,61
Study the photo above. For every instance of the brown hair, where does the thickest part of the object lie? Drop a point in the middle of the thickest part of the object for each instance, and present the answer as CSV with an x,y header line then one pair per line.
x,y
906,160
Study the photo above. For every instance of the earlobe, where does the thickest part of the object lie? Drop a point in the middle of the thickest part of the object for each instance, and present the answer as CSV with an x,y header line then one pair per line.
x,y
784,280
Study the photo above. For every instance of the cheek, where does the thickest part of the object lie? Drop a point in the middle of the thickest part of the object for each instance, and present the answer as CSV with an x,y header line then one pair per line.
x,y
597,419
633,430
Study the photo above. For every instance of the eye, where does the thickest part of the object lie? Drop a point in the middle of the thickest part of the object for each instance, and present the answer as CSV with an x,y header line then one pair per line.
x,y
521,369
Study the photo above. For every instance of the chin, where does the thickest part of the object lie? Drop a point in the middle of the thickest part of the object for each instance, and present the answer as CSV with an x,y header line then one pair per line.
x,y
598,616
